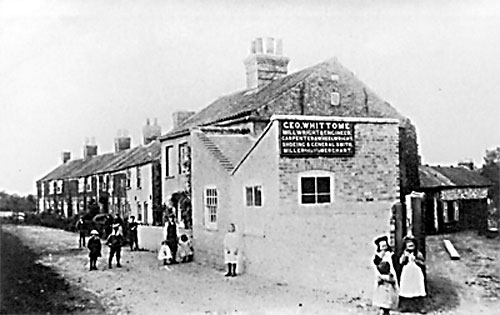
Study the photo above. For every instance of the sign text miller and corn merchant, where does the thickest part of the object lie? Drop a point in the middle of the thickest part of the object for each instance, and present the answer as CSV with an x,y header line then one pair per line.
x,y
316,138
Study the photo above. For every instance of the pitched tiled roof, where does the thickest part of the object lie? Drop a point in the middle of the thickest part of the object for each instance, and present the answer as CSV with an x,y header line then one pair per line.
x,y
449,176
105,163
245,102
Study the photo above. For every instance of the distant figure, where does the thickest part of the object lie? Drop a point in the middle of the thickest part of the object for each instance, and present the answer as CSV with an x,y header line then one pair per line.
x,y
185,249
81,228
108,225
115,241
170,235
94,246
231,248
386,291
132,234
164,253
118,220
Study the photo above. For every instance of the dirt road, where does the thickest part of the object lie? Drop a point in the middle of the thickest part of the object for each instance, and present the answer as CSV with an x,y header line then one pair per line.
x,y
143,286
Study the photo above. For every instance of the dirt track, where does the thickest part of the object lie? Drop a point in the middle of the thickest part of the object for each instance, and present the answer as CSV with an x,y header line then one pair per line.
x,y
142,286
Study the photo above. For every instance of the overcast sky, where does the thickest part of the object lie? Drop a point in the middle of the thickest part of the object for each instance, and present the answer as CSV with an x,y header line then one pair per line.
x,y
71,69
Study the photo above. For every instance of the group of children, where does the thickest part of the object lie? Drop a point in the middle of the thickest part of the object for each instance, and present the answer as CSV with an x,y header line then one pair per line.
x,y
184,251
411,286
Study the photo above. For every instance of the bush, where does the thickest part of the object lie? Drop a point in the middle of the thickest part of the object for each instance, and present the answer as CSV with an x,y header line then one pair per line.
x,y
50,220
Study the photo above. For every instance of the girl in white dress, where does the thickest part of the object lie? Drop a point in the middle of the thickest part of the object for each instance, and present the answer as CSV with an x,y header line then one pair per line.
x,y
412,284
231,247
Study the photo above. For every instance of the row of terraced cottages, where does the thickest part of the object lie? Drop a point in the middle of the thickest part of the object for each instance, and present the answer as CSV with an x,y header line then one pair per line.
x,y
126,181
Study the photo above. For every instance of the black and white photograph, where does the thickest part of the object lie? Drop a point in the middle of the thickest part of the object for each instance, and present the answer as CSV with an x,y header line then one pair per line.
x,y
249,157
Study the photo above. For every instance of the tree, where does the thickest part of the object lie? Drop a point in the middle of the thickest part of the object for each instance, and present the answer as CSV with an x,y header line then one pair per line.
x,y
491,170
17,203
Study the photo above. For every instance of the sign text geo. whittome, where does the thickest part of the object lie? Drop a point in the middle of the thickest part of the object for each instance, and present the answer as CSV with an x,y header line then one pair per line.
x,y
316,138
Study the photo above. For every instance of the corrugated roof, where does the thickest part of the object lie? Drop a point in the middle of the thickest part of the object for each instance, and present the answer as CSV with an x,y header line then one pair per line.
x,y
449,176
106,163
248,101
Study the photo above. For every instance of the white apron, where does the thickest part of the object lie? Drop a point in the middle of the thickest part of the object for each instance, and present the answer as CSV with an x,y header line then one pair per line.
x,y
412,281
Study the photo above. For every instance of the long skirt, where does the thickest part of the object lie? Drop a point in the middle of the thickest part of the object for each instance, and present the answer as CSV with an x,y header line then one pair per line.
x,y
412,281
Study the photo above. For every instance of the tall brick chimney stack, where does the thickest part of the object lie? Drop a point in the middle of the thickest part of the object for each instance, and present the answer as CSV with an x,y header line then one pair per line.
x,y
150,132
122,141
66,156
90,148
266,62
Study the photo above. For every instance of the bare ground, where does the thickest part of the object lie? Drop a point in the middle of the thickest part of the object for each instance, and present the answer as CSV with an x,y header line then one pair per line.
x,y
142,286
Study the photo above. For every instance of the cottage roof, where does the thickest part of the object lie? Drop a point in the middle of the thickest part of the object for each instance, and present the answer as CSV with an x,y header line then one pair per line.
x,y
449,177
106,163
255,102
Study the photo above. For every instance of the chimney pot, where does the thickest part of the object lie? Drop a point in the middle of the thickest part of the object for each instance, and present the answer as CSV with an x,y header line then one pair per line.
x,y
150,132
122,141
66,156
262,68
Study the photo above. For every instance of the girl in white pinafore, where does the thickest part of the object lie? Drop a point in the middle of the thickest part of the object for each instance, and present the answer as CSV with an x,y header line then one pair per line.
x,y
412,283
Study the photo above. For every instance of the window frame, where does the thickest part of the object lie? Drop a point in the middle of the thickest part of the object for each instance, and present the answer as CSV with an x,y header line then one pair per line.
x,y
252,203
138,177
316,174
168,163
207,212
181,153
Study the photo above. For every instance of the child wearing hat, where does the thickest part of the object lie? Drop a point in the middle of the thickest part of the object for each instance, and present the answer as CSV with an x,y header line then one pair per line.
x,y
115,242
386,292
94,246
412,277
386,288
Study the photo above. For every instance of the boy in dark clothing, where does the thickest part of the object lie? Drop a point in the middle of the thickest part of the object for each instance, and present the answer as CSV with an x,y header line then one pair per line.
x,y
80,227
94,246
115,241
132,234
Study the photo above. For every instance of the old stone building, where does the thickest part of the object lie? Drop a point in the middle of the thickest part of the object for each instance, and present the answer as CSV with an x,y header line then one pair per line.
x,y
307,165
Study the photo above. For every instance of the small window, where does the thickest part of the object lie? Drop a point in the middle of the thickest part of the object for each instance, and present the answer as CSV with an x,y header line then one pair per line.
x,y
139,212
138,177
81,185
253,196
127,180
316,189
184,158
335,98
88,185
211,205
59,186
168,153
451,211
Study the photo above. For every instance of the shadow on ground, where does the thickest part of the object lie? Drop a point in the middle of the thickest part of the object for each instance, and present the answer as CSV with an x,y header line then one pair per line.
x,y
31,288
